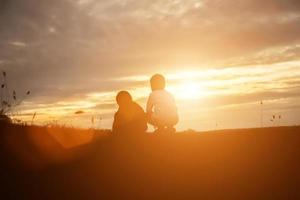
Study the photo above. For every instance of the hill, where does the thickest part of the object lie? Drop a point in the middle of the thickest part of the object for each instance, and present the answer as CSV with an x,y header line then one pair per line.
x,y
42,163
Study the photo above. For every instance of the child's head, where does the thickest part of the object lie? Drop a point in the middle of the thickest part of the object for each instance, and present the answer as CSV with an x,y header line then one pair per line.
x,y
123,98
157,82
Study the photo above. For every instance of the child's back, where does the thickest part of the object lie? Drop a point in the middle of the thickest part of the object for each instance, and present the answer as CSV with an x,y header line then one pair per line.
x,y
130,117
161,106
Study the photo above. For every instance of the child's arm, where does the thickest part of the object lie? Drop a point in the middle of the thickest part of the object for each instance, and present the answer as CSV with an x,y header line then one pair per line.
x,y
149,106
116,123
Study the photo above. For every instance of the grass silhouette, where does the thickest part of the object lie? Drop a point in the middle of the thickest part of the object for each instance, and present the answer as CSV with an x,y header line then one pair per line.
x,y
9,100
43,163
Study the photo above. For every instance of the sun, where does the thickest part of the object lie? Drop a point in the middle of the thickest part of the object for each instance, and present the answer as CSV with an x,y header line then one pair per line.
x,y
187,90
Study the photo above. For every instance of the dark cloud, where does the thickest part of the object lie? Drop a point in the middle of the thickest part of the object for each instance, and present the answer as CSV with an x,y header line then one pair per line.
x,y
266,7
268,56
62,49
292,92
106,106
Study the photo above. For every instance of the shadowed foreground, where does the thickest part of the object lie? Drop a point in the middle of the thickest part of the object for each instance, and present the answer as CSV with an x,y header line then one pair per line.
x,y
231,164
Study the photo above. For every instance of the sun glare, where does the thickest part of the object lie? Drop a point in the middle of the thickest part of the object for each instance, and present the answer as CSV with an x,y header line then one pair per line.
x,y
187,90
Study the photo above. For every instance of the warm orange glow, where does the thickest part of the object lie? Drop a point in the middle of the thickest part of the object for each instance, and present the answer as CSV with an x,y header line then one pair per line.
x,y
187,86
72,138
187,90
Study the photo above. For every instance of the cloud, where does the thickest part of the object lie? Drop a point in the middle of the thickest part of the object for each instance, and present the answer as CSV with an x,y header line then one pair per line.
x,y
109,106
268,56
67,49
18,44
234,100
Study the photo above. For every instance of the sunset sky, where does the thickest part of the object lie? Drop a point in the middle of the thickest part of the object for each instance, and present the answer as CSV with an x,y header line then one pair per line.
x,y
221,58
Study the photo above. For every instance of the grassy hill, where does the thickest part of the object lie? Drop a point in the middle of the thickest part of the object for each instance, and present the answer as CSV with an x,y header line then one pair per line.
x,y
63,163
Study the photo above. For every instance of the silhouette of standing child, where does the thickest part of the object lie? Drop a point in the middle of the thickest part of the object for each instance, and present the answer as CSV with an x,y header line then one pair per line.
x,y
130,117
161,107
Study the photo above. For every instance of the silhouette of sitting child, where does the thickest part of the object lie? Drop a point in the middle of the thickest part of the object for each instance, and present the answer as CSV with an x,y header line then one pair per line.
x,y
161,106
130,117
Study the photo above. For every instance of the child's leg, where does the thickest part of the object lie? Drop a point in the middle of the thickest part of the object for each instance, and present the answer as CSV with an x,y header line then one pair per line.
x,y
171,123
158,126
151,120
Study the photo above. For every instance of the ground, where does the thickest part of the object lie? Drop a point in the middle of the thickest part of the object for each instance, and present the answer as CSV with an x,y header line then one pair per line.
x,y
230,164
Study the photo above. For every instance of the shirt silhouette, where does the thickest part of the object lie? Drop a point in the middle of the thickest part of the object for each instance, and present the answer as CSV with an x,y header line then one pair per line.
x,y
130,117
